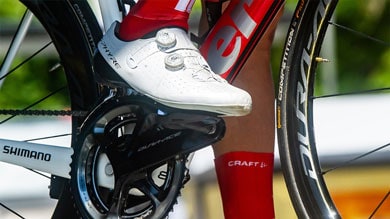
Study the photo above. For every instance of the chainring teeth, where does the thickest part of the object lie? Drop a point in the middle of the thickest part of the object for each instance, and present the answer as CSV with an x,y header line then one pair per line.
x,y
117,124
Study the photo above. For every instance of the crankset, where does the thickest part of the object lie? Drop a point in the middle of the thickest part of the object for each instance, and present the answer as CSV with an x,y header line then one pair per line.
x,y
131,155
137,132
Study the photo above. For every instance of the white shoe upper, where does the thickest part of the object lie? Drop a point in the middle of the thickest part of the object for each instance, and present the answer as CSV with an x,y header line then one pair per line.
x,y
169,69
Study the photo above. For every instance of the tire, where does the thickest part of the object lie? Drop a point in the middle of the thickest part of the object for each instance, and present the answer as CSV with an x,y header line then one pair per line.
x,y
303,190
301,160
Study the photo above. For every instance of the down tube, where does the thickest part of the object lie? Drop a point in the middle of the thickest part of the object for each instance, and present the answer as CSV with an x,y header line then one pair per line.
x,y
232,39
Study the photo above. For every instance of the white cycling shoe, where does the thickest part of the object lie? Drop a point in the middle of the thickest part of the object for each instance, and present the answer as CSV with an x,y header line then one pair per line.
x,y
169,69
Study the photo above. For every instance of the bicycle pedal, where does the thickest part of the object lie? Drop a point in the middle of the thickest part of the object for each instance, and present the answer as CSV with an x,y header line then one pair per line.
x,y
202,123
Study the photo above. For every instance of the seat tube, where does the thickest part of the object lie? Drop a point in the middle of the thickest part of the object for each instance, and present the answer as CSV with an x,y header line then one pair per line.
x,y
233,37
110,13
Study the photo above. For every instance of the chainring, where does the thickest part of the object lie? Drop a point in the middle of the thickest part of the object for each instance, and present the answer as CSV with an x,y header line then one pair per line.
x,y
103,187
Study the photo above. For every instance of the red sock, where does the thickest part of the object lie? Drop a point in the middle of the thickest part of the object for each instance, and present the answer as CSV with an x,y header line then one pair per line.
x,y
245,181
150,15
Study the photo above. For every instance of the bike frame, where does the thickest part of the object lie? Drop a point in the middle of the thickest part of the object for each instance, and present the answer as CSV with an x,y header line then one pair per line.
x,y
226,47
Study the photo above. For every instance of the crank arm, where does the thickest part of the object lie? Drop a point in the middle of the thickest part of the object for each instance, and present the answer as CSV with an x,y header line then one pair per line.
x,y
157,146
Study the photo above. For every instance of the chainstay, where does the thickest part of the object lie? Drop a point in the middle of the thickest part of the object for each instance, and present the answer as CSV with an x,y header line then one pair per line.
x,y
16,112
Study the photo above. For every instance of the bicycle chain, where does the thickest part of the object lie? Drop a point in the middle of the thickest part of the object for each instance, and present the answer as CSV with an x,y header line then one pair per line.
x,y
16,112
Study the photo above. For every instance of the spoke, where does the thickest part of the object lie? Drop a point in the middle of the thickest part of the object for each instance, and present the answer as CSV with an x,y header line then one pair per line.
x,y
15,43
356,158
12,211
25,61
380,204
41,174
352,93
48,137
361,34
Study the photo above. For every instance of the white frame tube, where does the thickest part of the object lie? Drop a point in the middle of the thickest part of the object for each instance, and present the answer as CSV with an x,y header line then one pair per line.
x,y
51,159
110,12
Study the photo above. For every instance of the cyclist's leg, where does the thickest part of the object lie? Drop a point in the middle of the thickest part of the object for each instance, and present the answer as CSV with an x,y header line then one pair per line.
x,y
149,15
244,158
246,189
164,65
